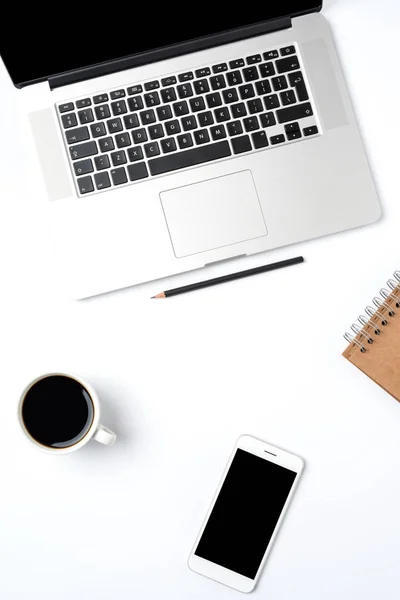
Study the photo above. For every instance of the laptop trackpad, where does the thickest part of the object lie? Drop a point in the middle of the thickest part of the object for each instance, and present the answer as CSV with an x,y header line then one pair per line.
x,y
213,213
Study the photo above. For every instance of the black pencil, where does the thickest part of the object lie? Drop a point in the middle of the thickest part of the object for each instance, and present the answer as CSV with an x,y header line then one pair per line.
x,y
232,277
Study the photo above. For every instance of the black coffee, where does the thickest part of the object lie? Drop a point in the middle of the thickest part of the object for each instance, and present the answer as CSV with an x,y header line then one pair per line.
x,y
57,411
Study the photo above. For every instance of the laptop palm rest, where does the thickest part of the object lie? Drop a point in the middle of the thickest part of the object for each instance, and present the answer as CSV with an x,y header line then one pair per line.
x,y
214,213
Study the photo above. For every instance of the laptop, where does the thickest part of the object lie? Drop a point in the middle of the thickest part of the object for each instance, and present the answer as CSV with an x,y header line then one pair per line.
x,y
178,138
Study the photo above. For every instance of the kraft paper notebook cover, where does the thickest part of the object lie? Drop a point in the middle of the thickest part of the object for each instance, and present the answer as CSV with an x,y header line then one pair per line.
x,y
375,346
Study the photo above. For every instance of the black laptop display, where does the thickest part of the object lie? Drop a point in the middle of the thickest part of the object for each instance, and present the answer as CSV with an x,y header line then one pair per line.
x,y
77,38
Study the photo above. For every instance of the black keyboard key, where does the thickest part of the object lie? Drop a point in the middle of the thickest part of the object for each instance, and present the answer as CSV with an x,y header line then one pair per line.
x,y
235,128
222,114
114,125
168,95
294,113
197,104
106,144
236,64
203,72
205,119
83,167
185,141
135,103
230,96
310,131
271,101
252,60
148,116
234,78
294,135
241,144
238,110
152,149
292,127
271,54
156,131
123,140
267,69
151,85
260,140
251,74
118,158
186,76
268,120
139,136
297,81
280,83
85,184
246,91
102,181
98,129
263,87
83,150
201,86
288,64
100,98
119,176
277,139
102,112
85,116
288,97
152,99
164,112
255,106
189,158
189,123
135,154
181,108
135,89
214,100
83,103
220,68
138,171
218,133
117,94
251,124
119,108
74,136
66,107
185,90
167,81
102,162
131,121
69,120
172,127
218,82
288,50
168,145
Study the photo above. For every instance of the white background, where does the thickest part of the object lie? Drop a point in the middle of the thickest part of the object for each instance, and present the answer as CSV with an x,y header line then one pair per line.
x,y
181,379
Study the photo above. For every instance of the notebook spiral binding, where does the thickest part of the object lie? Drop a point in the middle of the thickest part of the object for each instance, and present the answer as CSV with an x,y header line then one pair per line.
x,y
361,337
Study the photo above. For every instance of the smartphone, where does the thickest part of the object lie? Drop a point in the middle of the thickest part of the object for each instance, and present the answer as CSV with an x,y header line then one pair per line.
x,y
245,514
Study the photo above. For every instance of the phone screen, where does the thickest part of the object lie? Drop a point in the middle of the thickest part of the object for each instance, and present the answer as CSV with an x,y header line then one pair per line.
x,y
245,514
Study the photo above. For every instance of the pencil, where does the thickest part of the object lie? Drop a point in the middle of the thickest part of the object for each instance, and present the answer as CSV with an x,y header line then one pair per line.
x,y
231,277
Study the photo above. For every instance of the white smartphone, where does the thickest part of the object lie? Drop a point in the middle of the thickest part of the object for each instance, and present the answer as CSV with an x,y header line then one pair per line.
x,y
246,513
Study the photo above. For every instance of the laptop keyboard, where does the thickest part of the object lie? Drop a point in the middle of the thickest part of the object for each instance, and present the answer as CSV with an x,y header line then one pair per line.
x,y
250,104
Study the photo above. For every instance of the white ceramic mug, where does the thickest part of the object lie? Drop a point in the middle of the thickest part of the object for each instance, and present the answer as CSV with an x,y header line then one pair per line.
x,y
95,431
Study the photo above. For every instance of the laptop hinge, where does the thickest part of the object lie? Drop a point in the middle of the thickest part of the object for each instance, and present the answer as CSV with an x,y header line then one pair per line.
x,y
128,62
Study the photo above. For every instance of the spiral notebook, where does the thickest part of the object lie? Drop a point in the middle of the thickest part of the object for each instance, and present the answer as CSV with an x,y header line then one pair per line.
x,y
374,345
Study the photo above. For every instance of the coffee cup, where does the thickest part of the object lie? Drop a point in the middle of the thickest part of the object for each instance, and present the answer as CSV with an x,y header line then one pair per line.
x,y
59,413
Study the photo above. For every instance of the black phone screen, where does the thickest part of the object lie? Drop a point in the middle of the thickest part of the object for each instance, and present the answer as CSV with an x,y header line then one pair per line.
x,y
245,514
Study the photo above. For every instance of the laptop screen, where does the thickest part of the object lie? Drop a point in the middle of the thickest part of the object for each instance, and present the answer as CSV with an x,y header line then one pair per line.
x,y
45,45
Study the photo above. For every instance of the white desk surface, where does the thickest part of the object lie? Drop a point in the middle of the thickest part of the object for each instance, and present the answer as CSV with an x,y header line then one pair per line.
x,y
182,379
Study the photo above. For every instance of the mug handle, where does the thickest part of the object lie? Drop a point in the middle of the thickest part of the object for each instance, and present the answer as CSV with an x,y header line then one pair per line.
x,y
104,435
